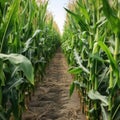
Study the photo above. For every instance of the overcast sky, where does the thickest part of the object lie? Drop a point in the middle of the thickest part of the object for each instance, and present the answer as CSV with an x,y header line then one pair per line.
x,y
57,9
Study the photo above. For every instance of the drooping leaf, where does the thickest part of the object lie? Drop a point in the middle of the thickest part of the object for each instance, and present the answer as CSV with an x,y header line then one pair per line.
x,y
104,113
78,60
16,83
30,40
95,95
79,84
22,63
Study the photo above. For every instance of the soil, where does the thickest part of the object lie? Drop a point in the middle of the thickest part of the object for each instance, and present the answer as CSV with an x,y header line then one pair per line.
x,y
51,100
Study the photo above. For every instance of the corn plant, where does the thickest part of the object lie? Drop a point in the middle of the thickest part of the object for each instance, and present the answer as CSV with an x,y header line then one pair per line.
x,y
27,41
93,53
11,97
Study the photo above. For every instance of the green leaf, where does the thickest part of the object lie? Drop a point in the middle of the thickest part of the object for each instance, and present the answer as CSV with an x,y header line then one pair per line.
x,y
8,24
80,20
2,75
14,103
75,70
116,108
116,113
2,117
113,63
72,87
111,16
107,51
84,11
30,40
79,84
78,60
22,63
101,22
95,95
96,57
104,113
36,33
16,83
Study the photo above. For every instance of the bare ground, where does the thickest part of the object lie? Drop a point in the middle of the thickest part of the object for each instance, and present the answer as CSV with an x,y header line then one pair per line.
x,y
51,100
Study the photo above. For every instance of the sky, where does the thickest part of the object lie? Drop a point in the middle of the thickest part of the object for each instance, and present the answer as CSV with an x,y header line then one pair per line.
x,y
57,9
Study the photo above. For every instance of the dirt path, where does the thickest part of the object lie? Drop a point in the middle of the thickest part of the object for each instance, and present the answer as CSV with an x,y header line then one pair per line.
x,y
51,100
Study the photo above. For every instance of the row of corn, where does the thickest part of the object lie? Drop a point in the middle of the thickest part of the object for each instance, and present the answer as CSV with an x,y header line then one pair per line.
x,y
28,39
91,43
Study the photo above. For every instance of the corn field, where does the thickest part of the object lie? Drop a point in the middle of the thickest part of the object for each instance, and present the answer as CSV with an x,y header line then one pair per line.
x,y
91,43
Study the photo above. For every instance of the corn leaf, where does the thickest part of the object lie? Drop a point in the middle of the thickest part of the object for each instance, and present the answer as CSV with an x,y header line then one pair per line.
x,y
96,57
79,19
95,95
75,70
107,51
104,113
22,63
16,83
72,87
8,24
2,117
84,11
79,84
111,16
2,75
30,40
14,101
78,60
116,109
